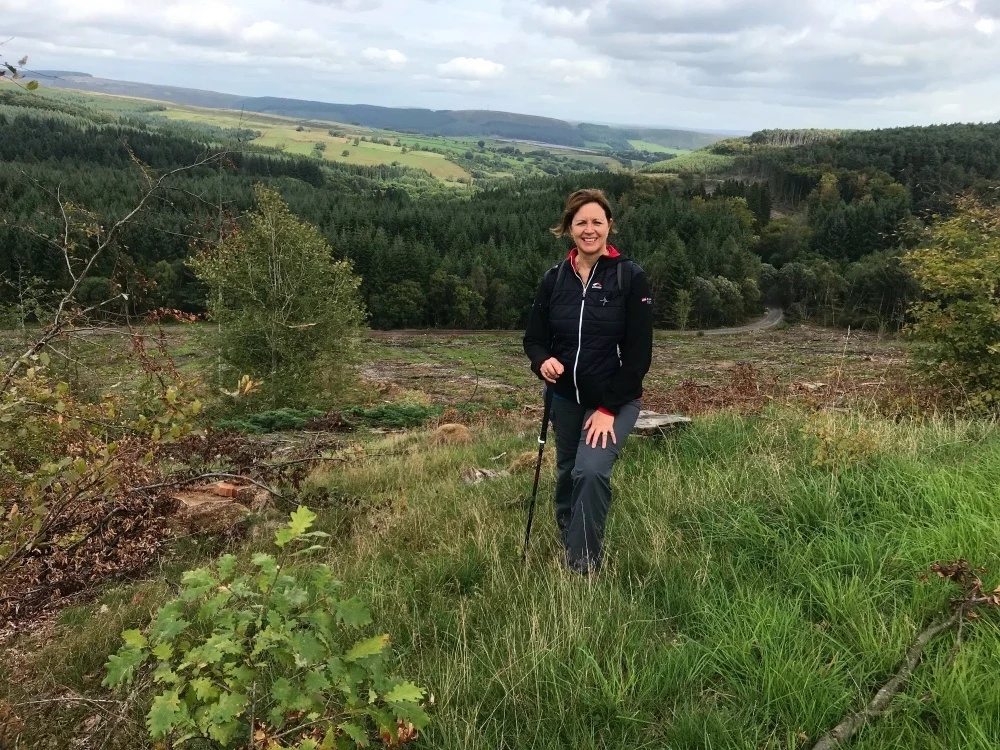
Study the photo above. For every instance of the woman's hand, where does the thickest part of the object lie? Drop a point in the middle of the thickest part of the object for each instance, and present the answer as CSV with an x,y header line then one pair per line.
x,y
551,369
598,427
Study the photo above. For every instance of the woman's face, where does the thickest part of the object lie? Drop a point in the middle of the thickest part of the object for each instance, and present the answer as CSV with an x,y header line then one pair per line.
x,y
590,229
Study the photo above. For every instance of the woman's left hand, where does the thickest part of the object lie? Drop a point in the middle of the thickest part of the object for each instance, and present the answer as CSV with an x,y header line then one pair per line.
x,y
598,427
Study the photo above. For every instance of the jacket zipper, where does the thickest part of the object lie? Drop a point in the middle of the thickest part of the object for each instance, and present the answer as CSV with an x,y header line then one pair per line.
x,y
579,333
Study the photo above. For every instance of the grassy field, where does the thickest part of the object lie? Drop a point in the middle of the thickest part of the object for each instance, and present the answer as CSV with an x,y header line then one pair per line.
x,y
765,572
300,137
702,161
283,133
657,148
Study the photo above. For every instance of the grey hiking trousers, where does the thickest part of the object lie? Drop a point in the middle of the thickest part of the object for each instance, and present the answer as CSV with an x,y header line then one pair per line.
x,y
583,480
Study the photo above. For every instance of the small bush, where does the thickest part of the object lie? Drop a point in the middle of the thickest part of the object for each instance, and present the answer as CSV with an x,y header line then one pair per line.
x,y
957,322
269,656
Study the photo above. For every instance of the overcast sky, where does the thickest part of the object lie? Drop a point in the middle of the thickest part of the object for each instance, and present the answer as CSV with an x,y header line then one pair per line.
x,y
707,64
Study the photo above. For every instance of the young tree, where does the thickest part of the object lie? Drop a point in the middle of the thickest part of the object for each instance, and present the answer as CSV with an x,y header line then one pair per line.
x,y
287,312
957,323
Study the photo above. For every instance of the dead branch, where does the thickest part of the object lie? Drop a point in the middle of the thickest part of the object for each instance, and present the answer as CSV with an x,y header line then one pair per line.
x,y
211,475
61,319
961,573
849,726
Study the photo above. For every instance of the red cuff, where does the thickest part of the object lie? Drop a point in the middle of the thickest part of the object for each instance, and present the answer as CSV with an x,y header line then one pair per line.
x,y
605,411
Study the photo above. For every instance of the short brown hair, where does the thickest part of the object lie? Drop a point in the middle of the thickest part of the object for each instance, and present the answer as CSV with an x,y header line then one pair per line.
x,y
574,203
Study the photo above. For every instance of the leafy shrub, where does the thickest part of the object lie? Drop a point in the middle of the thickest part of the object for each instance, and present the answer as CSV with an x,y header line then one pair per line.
x,y
957,322
288,314
268,657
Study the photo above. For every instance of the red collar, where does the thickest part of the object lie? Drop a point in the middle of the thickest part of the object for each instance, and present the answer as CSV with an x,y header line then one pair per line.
x,y
612,253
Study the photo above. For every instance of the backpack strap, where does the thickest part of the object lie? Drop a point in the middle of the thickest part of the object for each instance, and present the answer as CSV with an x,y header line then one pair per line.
x,y
562,272
625,282
559,275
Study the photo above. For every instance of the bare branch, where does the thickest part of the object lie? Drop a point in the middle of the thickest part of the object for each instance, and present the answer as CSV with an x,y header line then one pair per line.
x,y
846,729
65,242
212,475
62,319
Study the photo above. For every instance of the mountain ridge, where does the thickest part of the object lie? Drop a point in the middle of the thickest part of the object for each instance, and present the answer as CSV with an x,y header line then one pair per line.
x,y
445,122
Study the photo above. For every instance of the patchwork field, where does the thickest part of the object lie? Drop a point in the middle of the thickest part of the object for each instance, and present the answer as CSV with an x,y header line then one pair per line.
x,y
285,133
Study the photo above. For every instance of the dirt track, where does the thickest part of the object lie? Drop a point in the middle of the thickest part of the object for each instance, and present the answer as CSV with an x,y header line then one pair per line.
x,y
774,316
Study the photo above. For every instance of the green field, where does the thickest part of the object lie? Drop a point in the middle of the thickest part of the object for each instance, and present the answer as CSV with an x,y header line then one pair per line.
x,y
657,148
698,162
284,133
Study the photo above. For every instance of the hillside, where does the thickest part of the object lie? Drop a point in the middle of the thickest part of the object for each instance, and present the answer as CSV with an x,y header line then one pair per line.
x,y
473,123
767,568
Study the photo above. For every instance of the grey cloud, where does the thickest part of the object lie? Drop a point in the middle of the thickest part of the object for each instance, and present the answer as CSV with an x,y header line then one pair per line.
x,y
800,48
988,8
704,17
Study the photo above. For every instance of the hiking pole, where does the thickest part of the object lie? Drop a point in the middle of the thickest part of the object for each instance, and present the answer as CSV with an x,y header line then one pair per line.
x,y
538,467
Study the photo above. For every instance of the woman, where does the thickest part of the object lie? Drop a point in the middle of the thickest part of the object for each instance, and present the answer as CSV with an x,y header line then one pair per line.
x,y
590,338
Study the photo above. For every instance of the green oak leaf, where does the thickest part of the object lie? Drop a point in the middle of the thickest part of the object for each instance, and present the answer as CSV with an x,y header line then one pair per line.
x,y
405,692
353,613
366,649
165,713
135,639
300,521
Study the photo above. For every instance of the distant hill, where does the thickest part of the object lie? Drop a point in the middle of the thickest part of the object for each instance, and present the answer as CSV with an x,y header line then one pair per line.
x,y
59,74
476,123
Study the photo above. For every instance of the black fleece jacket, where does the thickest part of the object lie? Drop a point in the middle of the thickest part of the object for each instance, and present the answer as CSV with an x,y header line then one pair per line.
x,y
603,340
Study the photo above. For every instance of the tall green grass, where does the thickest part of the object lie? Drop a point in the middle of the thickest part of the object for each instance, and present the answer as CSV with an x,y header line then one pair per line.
x,y
750,597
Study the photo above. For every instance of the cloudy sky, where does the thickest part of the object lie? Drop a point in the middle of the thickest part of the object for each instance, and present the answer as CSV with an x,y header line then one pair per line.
x,y
735,65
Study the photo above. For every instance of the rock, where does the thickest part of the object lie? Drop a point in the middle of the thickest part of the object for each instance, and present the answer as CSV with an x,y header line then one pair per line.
x,y
475,476
650,423
812,387
451,434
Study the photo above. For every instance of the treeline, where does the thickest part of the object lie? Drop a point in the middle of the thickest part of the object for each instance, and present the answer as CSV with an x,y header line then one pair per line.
x,y
933,163
861,199
851,204
433,256
427,256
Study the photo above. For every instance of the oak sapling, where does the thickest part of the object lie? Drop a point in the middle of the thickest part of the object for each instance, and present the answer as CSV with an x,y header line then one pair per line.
x,y
267,652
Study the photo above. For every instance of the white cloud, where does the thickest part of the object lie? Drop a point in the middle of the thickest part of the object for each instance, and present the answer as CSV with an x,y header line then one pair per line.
x,y
891,61
986,26
470,68
579,71
389,57
559,19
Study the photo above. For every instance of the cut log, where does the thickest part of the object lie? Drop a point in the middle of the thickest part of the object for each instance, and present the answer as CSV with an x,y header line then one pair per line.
x,y
203,510
650,423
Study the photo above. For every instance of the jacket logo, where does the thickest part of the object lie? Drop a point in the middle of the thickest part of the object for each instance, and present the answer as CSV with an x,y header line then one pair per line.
x,y
596,285
604,301
647,300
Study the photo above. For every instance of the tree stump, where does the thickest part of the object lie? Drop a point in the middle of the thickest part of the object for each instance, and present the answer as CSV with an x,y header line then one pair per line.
x,y
651,424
